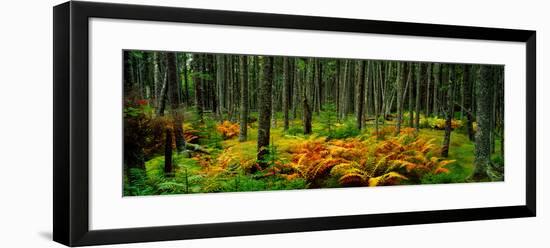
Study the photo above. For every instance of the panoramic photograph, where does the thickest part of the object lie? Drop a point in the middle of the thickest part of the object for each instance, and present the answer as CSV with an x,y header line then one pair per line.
x,y
206,123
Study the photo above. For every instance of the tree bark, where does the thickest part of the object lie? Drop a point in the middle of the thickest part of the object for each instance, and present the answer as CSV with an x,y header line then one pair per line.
x,y
417,105
177,118
220,78
163,95
376,98
264,108
360,93
186,80
244,98
483,137
468,102
400,79
428,80
449,112
198,81
306,102
436,72
168,152
286,92
411,113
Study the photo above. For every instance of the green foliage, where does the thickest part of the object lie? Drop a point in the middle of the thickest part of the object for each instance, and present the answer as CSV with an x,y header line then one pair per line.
x,y
458,175
295,130
342,131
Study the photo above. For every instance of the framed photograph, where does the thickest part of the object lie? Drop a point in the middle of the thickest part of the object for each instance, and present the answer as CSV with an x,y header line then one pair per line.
x,y
178,123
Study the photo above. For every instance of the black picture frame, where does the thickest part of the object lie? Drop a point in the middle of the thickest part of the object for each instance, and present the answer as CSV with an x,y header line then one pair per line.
x,y
71,123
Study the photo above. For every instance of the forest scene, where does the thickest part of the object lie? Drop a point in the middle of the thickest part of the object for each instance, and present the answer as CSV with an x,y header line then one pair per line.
x,y
203,122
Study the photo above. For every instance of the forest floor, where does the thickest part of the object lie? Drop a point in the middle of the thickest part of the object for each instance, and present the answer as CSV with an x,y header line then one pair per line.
x,y
227,167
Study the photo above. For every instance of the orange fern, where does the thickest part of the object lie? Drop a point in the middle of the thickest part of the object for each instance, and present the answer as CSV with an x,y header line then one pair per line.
x,y
228,130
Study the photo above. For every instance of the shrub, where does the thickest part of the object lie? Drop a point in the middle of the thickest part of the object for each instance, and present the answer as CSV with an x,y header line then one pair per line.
x,y
295,130
342,131
228,129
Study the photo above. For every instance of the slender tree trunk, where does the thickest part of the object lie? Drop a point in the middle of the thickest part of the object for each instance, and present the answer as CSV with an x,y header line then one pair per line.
x,y
417,109
156,77
429,80
376,102
494,109
411,113
307,108
317,80
163,95
220,78
449,112
435,108
360,93
168,152
286,92
173,82
366,94
296,94
198,81
468,102
264,108
400,79
244,98
338,82
186,81
274,99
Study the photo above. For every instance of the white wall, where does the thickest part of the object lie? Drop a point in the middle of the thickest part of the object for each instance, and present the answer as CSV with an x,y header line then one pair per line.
x,y
26,123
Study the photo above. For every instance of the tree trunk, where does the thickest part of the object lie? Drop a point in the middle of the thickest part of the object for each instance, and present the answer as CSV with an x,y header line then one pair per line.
x,y
429,80
360,94
468,102
220,78
171,69
168,152
411,113
286,92
400,79
376,99
436,72
483,137
186,81
307,93
163,95
198,81
157,81
449,112
244,98
274,95
417,105
264,108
